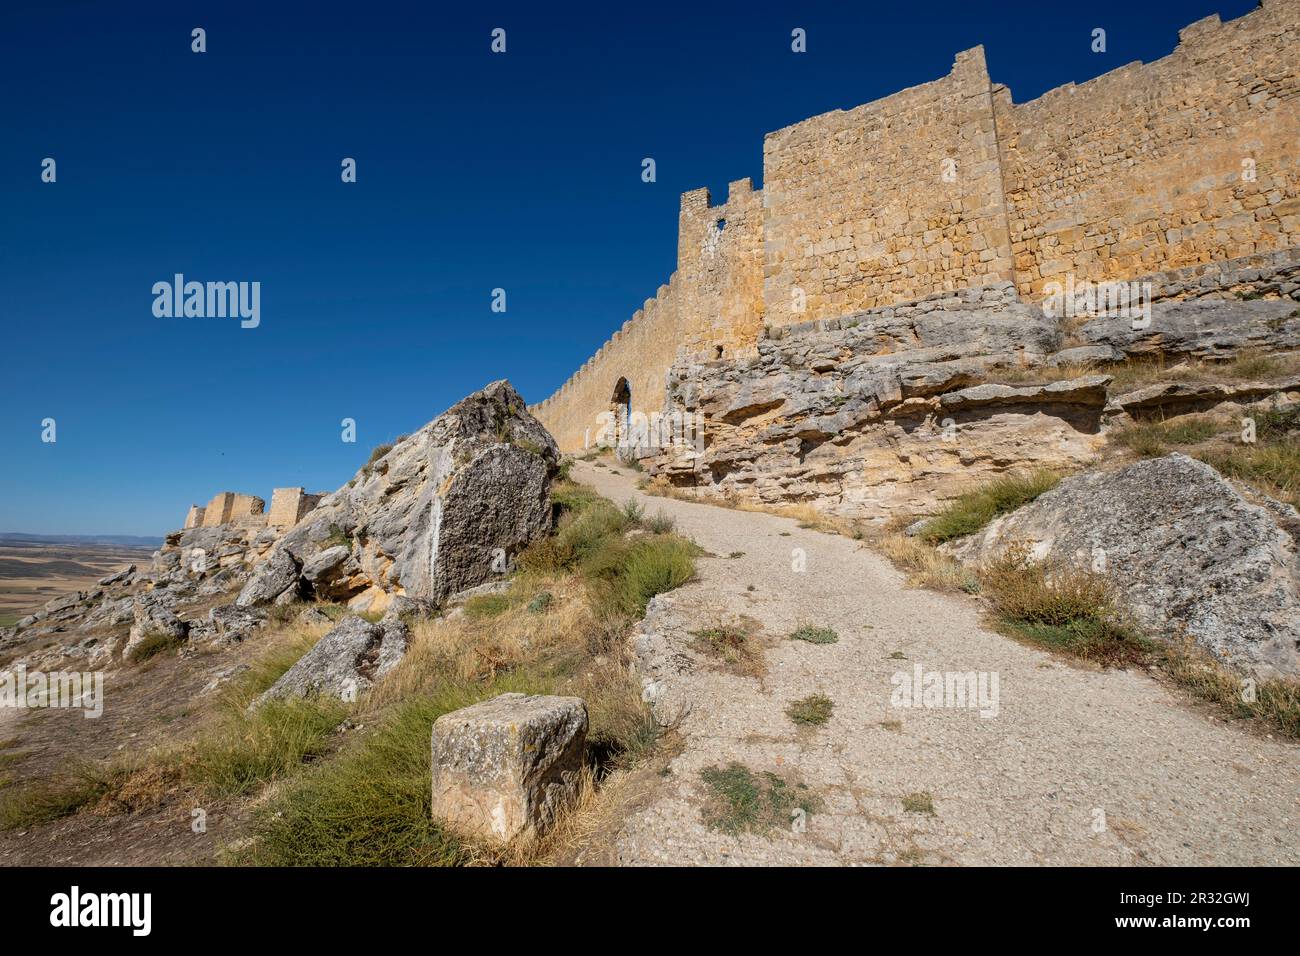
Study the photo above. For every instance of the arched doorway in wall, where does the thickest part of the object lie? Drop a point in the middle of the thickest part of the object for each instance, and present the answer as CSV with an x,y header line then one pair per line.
x,y
620,404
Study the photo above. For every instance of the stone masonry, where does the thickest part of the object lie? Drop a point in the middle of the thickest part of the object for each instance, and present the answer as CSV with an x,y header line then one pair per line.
x,y
288,507
1150,168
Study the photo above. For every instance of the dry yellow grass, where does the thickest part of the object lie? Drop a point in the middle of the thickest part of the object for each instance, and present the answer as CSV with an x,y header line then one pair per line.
x,y
926,566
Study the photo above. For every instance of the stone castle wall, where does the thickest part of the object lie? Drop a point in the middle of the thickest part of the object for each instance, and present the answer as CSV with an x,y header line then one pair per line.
x,y
948,185
1148,167
288,507
887,202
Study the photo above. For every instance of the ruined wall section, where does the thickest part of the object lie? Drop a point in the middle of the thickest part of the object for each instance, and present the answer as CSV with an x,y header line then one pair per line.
x,y
886,202
1141,169
714,298
720,267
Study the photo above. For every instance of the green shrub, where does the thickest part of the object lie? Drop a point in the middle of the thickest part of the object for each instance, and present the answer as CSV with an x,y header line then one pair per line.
x,y
1063,608
660,523
814,635
815,710
649,567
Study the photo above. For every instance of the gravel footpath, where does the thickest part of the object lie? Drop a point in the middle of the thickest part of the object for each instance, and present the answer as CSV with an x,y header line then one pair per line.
x,y
1078,767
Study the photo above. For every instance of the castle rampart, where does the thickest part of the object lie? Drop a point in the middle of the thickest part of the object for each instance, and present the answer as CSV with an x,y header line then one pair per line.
x,y
288,507
1190,159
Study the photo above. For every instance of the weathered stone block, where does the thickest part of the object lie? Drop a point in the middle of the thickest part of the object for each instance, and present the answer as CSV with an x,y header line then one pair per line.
x,y
508,764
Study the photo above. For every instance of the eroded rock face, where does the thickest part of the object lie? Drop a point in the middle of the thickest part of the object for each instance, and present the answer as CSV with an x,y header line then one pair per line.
x,y
1203,329
346,661
508,764
433,515
1184,549
883,411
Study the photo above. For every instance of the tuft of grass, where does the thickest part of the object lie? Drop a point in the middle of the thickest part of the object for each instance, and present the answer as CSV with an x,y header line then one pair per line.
x,y
337,537
369,806
151,645
540,602
488,605
1277,423
741,801
926,566
735,644
1152,439
648,567
814,635
53,799
659,523
1275,702
813,710
1272,468
973,510
271,742
1063,608
919,802
1146,440
1191,429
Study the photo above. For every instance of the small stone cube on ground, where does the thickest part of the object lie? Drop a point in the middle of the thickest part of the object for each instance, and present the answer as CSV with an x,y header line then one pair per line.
x,y
508,764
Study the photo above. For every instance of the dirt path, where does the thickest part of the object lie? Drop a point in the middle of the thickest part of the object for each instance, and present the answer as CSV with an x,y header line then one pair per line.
x,y
1077,767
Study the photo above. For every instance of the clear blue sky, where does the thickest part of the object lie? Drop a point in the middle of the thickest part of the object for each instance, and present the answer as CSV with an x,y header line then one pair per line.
x,y
475,171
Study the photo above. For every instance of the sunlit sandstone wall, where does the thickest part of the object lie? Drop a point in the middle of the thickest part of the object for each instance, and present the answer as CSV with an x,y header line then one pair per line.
x,y
1146,168
887,202
1138,171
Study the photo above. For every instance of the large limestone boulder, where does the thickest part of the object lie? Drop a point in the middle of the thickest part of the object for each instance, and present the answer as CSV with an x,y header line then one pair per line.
x,y
437,513
1185,550
346,661
508,764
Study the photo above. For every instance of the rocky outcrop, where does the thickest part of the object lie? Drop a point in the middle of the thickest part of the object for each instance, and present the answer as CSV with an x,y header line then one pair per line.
x,y
1202,329
439,512
226,624
346,661
509,764
1185,551
884,411
1183,397
153,618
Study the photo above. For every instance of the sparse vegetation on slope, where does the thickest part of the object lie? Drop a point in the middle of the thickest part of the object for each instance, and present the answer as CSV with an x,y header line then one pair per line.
x,y
352,781
976,508
1270,464
1062,608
